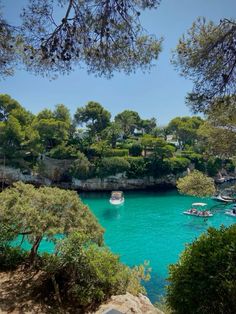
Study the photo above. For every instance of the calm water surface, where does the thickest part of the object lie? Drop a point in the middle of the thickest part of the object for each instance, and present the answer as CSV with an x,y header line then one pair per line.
x,y
150,226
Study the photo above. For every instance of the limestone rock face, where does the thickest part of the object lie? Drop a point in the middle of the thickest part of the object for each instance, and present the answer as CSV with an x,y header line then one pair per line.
x,y
119,182
128,304
53,171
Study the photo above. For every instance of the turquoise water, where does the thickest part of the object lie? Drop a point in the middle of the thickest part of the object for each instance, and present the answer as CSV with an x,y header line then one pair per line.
x,y
150,226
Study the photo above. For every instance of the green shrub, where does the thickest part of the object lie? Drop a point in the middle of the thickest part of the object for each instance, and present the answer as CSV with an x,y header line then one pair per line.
x,y
158,167
63,152
136,150
213,165
87,274
178,164
200,164
137,169
116,152
229,165
111,166
191,155
11,257
127,144
204,279
81,168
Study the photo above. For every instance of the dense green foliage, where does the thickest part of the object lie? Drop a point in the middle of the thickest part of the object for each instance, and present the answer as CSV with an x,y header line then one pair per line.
x,y
46,42
81,272
11,257
81,167
138,167
178,164
196,184
204,278
136,150
94,116
128,121
206,54
218,132
112,166
86,274
44,213
185,129
93,150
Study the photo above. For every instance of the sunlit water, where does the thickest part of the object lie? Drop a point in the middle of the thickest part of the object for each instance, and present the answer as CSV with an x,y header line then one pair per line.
x,y
150,226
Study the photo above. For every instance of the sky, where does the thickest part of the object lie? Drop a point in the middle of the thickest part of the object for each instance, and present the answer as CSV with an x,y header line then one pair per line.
x,y
160,93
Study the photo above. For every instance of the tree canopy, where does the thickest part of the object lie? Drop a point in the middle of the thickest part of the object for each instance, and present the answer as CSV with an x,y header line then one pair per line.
x,y
45,212
185,129
207,55
203,280
218,132
196,184
54,36
94,116
128,120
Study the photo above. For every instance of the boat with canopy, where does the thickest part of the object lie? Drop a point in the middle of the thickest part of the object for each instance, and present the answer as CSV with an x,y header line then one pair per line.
x,y
199,210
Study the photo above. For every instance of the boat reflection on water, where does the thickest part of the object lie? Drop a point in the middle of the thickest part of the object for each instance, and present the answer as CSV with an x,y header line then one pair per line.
x,y
111,214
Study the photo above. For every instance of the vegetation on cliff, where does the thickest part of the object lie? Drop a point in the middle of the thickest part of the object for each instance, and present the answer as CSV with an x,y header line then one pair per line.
x,y
95,146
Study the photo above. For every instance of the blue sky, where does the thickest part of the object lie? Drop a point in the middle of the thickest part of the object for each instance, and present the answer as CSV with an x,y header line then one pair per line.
x,y
160,93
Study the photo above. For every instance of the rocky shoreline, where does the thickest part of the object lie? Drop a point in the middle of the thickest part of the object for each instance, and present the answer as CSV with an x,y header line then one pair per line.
x,y
9,175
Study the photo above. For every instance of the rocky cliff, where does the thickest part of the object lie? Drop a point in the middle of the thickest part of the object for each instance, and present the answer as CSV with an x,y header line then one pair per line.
x,y
10,175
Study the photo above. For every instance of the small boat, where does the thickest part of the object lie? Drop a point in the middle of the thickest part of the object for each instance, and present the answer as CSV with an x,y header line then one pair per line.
x,y
117,198
231,212
199,210
224,198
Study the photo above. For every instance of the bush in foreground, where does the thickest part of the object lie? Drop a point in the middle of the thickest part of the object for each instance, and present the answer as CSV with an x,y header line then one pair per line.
x,y
11,257
204,279
83,274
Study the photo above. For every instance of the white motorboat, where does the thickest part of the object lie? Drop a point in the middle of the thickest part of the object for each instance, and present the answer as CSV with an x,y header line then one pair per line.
x,y
198,210
231,213
223,198
117,198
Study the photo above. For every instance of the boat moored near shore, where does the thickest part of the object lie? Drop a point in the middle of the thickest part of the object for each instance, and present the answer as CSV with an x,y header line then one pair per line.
x,y
224,198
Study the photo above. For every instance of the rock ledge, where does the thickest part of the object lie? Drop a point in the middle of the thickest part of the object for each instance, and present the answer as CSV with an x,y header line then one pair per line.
x,y
128,304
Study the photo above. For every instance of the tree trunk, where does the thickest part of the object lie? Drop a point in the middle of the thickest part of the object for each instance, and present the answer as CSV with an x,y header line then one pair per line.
x,y
34,249
56,289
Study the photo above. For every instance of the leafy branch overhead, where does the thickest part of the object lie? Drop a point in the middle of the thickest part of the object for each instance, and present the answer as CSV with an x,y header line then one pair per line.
x,y
207,55
104,35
